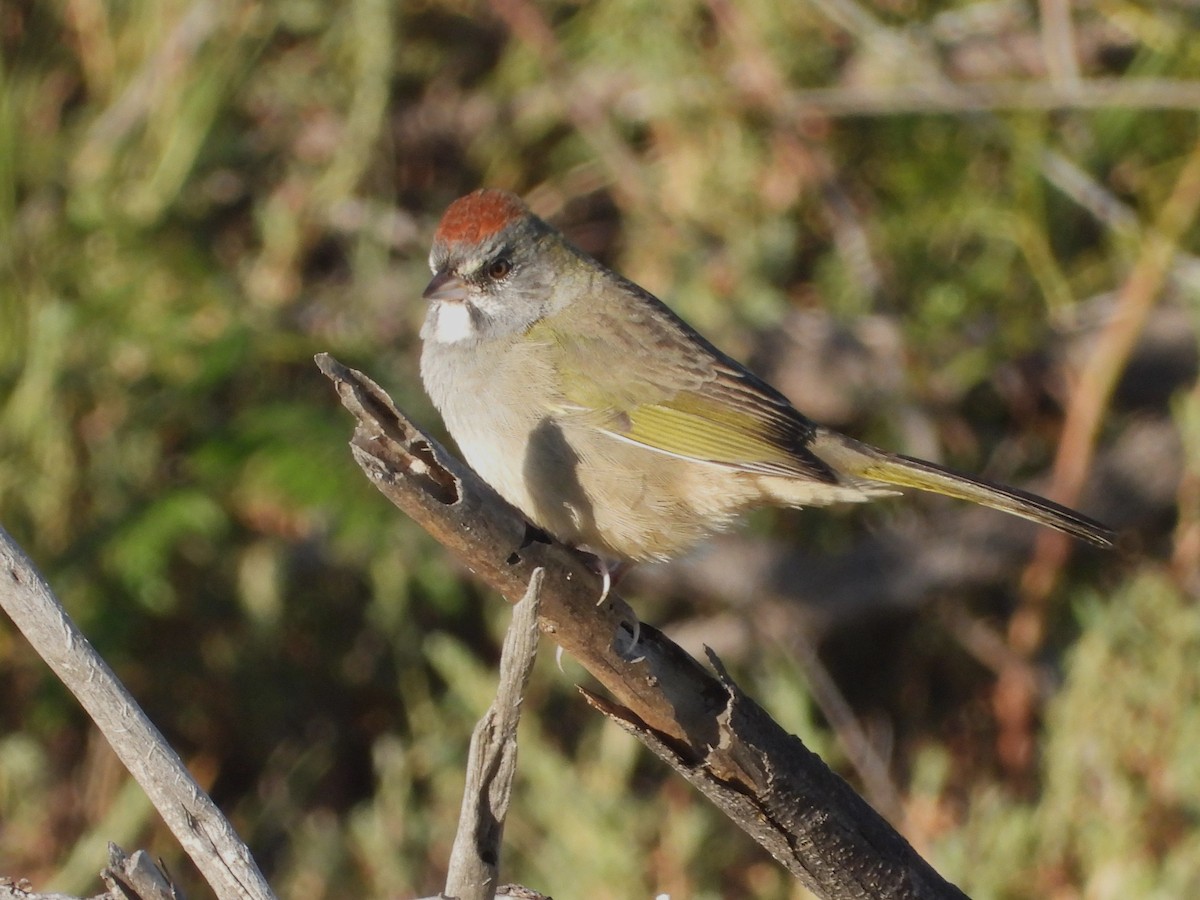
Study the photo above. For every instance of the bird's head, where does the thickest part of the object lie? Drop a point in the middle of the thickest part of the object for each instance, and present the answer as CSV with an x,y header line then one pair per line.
x,y
492,262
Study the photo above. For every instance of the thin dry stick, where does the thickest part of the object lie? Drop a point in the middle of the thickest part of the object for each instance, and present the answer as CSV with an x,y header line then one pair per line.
x,y
492,762
1058,43
220,855
1094,390
870,766
766,780
994,96
1089,194
1078,185
929,90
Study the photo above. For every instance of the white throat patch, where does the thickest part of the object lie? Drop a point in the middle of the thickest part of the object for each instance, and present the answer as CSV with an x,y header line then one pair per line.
x,y
451,323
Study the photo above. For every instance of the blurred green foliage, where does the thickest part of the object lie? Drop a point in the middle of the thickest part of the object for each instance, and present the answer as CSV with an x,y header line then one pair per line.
x,y
1117,811
195,197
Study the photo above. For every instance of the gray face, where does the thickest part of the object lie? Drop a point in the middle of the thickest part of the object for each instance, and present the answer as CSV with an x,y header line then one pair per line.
x,y
488,290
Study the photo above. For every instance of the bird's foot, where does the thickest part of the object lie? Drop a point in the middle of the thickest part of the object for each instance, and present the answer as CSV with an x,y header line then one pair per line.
x,y
610,572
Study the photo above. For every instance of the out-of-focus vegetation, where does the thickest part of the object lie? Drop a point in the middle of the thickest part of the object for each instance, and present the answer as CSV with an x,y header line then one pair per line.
x,y
197,196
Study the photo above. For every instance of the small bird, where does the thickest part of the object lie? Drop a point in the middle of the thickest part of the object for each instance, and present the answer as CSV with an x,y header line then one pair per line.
x,y
611,423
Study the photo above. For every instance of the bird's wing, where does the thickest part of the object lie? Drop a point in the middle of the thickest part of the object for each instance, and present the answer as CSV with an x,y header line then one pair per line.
x,y
644,376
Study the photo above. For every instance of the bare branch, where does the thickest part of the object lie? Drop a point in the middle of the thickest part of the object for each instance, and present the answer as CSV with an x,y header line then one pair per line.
x,y
492,762
128,877
1058,43
220,855
136,877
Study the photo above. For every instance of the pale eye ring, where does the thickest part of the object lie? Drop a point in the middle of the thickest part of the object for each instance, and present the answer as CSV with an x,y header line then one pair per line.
x,y
499,268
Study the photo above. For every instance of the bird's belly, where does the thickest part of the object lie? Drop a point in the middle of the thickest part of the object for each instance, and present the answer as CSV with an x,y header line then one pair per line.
x,y
622,500
583,486
590,490
494,440
647,505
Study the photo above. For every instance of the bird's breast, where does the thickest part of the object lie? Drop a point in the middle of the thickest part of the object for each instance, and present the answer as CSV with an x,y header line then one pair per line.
x,y
491,397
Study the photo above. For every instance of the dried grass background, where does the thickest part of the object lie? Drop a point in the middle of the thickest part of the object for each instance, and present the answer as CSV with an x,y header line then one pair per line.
x,y
961,230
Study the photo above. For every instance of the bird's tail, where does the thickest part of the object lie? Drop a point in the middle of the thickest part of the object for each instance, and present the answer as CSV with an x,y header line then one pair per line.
x,y
861,461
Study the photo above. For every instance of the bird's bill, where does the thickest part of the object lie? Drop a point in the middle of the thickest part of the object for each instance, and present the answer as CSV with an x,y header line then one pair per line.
x,y
446,286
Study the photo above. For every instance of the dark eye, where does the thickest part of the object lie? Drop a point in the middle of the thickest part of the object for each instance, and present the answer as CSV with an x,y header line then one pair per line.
x,y
499,268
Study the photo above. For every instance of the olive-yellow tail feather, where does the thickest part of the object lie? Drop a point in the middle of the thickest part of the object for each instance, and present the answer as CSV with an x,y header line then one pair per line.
x,y
861,461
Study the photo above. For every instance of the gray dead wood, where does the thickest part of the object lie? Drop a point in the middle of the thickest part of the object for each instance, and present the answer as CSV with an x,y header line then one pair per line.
x,y
136,877
763,778
492,762
204,833
127,876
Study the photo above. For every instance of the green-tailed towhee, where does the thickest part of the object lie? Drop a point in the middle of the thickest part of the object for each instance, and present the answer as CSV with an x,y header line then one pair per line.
x,y
612,424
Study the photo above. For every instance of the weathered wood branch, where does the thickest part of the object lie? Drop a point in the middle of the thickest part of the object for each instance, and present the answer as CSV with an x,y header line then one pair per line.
x,y
199,826
766,780
473,873
127,877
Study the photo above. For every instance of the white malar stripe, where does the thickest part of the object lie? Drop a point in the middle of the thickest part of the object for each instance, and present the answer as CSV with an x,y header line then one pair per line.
x,y
452,323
